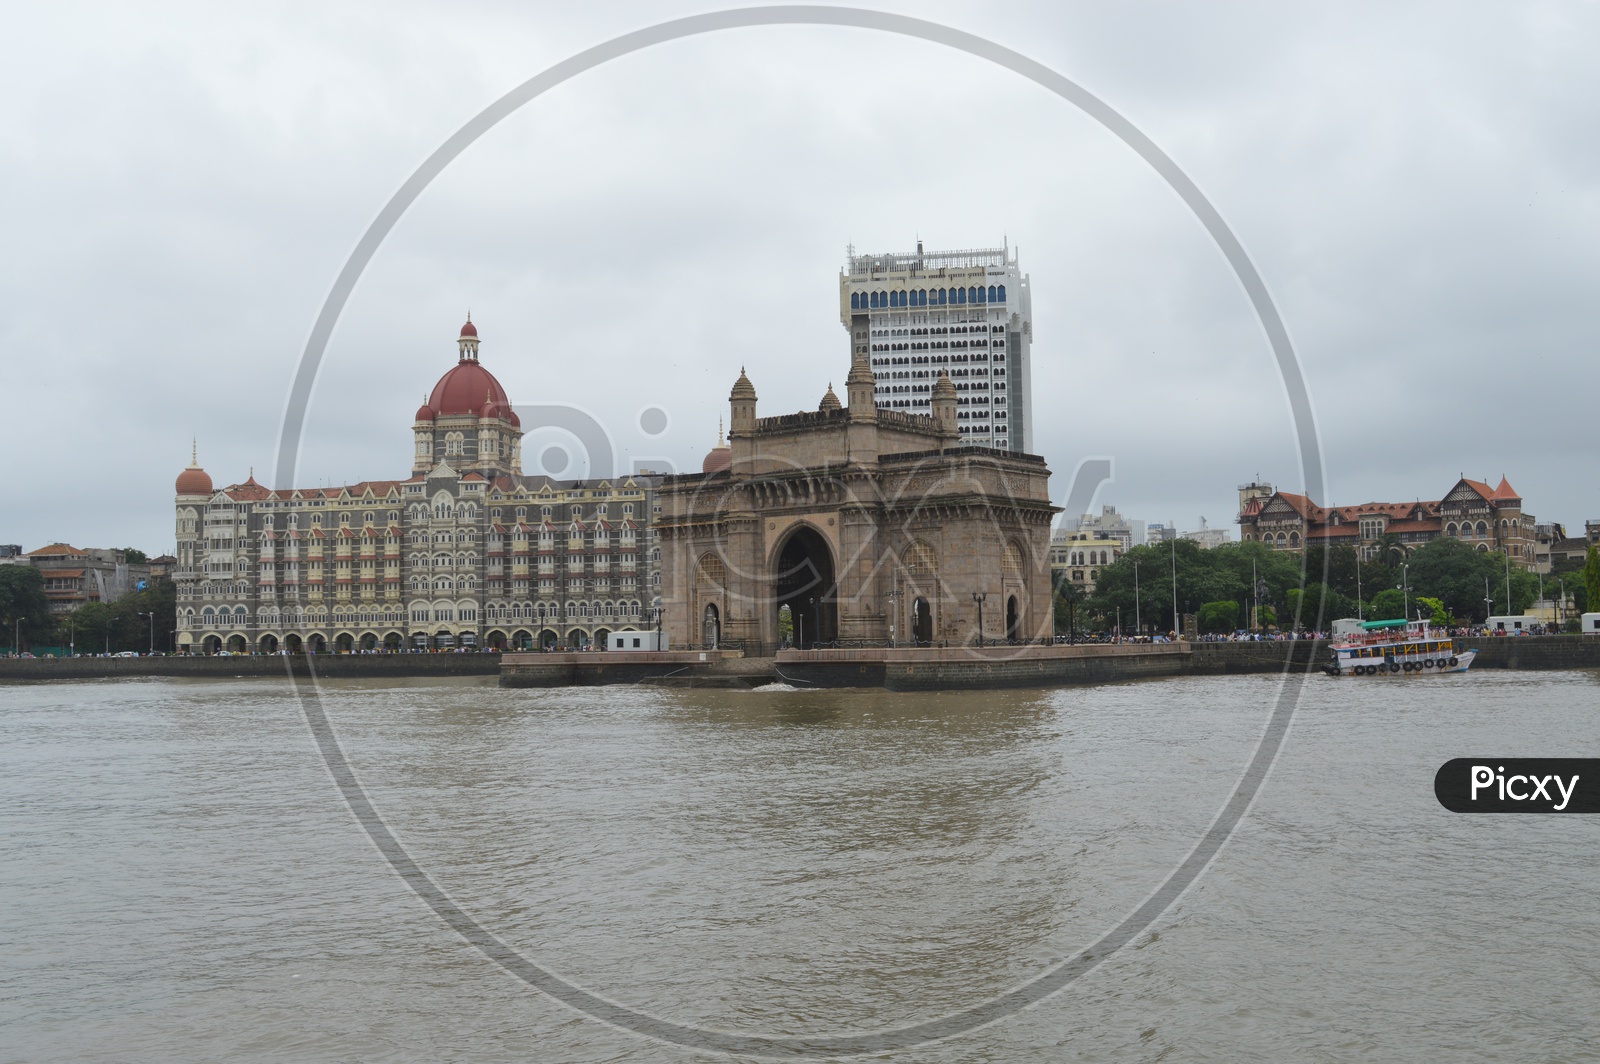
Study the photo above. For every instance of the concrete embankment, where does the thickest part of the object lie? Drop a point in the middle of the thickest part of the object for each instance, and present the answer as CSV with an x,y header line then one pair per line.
x,y
673,668
331,666
938,669
899,669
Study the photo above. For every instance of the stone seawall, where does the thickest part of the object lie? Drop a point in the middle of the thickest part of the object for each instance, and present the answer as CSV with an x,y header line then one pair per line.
x,y
705,668
1533,651
331,666
1210,659
983,668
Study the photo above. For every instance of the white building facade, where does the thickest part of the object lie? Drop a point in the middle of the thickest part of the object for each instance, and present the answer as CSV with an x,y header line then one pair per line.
x,y
968,314
466,552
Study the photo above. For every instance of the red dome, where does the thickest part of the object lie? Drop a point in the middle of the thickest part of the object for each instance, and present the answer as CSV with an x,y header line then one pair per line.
x,y
464,390
511,416
717,459
424,412
469,329
193,481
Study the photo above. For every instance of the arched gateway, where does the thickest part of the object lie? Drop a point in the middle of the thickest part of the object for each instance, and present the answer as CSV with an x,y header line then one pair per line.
x,y
864,523
803,580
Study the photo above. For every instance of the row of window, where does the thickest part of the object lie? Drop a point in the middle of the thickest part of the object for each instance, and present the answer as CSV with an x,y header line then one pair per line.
x,y
927,297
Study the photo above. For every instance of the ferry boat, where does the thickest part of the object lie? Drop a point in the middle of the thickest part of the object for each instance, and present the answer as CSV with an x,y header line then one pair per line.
x,y
1397,648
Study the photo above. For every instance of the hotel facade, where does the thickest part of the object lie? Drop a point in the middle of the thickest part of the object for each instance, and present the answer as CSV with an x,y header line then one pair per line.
x,y
465,552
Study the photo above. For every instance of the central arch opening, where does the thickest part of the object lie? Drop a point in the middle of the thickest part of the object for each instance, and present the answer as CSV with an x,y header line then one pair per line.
x,y
804,582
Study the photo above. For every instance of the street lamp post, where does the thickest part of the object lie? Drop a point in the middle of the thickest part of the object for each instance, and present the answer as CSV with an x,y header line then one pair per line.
x,y
1138,626
1508,579
1488,604
894,614
978,597
1175,632
1360,606
152,617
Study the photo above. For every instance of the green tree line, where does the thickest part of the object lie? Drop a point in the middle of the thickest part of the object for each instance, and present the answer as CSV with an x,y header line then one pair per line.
x,y
1445,579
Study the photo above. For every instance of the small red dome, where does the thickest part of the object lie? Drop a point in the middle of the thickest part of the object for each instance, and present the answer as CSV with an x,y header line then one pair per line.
x,y
511,416
717,459
465,390
492,409
469,329
193,481
424,413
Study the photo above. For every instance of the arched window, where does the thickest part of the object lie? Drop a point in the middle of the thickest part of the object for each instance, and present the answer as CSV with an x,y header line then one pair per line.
x,y
855,301
1002,291
939,297
872,300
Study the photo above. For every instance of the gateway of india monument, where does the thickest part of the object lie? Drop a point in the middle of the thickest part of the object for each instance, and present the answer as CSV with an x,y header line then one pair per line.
x,y
868,524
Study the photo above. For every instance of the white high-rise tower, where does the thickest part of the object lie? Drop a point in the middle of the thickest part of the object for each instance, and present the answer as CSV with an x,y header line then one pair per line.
x,y
966,313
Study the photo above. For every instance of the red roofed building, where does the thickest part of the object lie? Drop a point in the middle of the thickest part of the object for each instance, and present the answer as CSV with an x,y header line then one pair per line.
x,y
462,553
1490,519
73,576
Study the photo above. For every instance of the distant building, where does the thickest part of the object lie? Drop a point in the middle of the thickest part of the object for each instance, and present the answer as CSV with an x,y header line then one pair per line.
x,y
1471,511
74,577
1078,556
964,314
1109,523
9,551
1207,536
466,551
161,567
1156,533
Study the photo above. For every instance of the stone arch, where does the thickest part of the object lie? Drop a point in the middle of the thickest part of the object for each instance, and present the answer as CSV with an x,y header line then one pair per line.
x,y
1013,619
803,579
268,644
369,640
711,625
237,644
344,643
495,639
292,644
393,641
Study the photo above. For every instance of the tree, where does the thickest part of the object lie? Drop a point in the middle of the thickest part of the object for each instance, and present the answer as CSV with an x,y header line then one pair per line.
x,y
1388,605
24,607
1456,574
134,556
1591,576
1068,600
1267,617
1218,616
1318,606
1440,615
1222,573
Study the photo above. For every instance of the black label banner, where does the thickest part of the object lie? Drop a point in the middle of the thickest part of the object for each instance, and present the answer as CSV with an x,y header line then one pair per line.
x,y
1519,785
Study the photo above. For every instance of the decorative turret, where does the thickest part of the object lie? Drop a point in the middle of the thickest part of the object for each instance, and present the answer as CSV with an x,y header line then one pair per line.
x,y
829,401
859,386
468,341
743,402
944,408
719,457
193,480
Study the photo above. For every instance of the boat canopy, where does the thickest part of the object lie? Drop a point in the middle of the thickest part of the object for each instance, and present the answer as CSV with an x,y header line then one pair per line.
x,y
1370,626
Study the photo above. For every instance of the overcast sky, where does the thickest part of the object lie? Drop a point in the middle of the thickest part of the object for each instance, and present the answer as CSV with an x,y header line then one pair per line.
x,y
1419,185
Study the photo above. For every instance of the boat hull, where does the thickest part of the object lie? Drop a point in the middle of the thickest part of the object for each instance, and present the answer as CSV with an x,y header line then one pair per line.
x,y
1399,669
